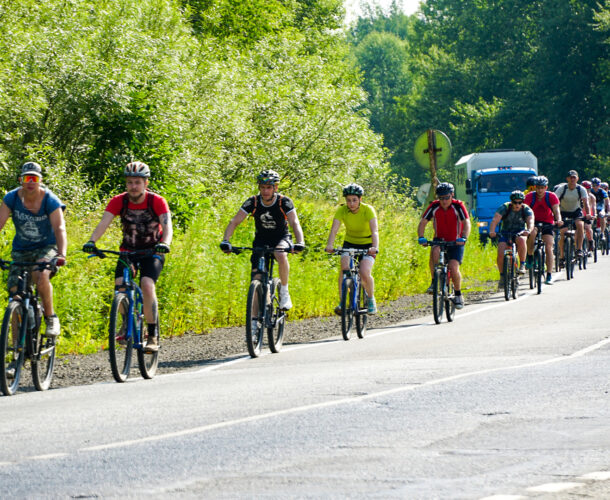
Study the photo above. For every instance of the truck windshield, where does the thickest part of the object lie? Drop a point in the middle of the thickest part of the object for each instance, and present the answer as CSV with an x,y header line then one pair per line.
x,y
503,182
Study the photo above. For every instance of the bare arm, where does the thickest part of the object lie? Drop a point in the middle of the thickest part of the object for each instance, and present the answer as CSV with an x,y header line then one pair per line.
x,y
58,224
375,234
5,213
166,226
557,214
235,221
529,223
466,228
422,227
494,222
293,220
334,229
99,231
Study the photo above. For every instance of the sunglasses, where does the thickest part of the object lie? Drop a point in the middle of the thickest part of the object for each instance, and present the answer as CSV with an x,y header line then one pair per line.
x,y
447,197
518,202
31,178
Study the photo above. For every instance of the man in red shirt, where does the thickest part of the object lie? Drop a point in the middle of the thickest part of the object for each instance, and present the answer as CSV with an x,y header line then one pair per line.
x,y
546,211
147,225
451,223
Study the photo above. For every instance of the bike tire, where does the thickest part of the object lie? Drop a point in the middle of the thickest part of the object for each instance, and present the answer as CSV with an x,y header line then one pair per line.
x,y
119,348
362,314
595,244
44,361
347,312
449,293
148,362
255,318
506,270
514,279
275,333
567,255
585,253
532,276
540,270
437,295
12,320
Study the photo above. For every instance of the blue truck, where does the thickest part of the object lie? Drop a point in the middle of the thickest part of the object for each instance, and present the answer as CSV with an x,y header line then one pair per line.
x,y
483,181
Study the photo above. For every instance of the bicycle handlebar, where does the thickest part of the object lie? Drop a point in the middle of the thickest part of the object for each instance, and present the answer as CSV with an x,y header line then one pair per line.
x,y
101,253
265,249
351,251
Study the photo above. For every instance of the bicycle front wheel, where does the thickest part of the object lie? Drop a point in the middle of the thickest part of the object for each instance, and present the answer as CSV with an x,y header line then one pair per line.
x,y
438,300
347,312
514,279
148,361
449,294
120,345
361,313
43,362
275,332
12,358
539,263
506,271
569,258
255,318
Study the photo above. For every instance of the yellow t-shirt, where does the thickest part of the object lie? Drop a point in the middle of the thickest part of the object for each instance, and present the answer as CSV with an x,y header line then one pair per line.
x,y
357,228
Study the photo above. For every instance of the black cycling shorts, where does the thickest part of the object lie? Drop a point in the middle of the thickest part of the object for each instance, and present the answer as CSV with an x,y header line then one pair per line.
x,y
254,258
149,266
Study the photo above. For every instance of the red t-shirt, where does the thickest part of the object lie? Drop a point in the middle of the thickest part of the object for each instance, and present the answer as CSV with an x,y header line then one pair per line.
x,y
542,210
159,205
448,224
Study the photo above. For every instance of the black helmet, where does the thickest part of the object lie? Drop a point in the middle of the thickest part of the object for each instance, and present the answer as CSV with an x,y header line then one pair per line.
x,y
31,168
353,189
268,177
596,181
137,169
444,188
542,181
531,181
517,195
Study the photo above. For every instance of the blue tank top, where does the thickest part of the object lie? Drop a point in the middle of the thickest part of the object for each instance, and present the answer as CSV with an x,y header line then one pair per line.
x,y
32,231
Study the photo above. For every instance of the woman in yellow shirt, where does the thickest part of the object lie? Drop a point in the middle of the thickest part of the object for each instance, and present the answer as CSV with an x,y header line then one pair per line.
x,y
361,231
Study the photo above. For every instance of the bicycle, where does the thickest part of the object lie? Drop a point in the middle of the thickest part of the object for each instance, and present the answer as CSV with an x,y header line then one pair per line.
x,y
569,243
354,299
20,337
537,270
510,267
442,285
263,306
127,323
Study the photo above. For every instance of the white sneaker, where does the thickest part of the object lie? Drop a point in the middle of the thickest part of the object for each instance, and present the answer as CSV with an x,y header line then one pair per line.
x,y
52,329
285,302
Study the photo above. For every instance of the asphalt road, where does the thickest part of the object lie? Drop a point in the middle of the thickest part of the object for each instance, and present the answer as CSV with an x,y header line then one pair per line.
x,y
509,401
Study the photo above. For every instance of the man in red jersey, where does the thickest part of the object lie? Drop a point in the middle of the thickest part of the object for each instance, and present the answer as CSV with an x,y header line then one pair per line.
x,y
451,223
546,210
147,225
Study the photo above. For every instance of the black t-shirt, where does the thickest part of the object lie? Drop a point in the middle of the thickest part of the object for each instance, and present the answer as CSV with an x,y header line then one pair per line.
x,y
270,221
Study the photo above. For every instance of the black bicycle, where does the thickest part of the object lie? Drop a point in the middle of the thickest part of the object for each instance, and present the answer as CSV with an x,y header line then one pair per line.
x,y
537,269
443,294
510,267
569,247
354,299
20,338
127,326
263,310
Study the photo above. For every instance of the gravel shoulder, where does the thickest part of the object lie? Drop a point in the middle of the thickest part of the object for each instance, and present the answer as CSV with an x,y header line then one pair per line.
x,y
195,350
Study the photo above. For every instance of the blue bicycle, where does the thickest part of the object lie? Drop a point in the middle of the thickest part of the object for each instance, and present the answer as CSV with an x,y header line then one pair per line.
x,y
354,299
126,329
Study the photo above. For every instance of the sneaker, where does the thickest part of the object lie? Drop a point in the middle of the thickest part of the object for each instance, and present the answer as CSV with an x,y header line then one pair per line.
x,y
579,254
458,300
52,329
372,306
338,310
529,261
151,344
430,289
549,279
501,282
522,268
285,302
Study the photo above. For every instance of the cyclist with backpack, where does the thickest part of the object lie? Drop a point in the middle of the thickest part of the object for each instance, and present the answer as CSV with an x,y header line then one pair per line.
x,y
40,235
516,217
602,202
571,195
272,213
147,225
545,206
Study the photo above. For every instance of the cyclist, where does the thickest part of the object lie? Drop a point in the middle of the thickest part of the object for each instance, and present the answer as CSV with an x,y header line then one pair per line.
x,y
515,217
602,203
571,195
592,212
530,184
40,235
451,223
147,225
361,231
272,213
546,210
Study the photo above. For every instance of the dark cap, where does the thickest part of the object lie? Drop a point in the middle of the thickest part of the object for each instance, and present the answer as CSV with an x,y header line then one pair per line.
x,y
31,168
572,173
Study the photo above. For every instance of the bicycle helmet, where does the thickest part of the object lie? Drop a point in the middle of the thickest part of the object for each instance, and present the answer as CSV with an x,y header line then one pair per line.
x,y
31,168
586,184
517,195
542,181
353,189
531,181
604,185
596,181
268,177
444,188
137,169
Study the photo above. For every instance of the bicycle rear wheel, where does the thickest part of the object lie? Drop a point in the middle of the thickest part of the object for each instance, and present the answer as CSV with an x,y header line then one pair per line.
x,y
255,318
595,244
532,276
148,362
438,301
12,359
347,312
568,257
275,333
539,263
449,294
361,313
506,271
44,361
585,252
119,345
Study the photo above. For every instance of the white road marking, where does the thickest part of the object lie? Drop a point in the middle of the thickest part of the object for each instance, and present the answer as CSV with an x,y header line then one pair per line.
x,y
554,487
48,456
603,475
342,401
504,497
